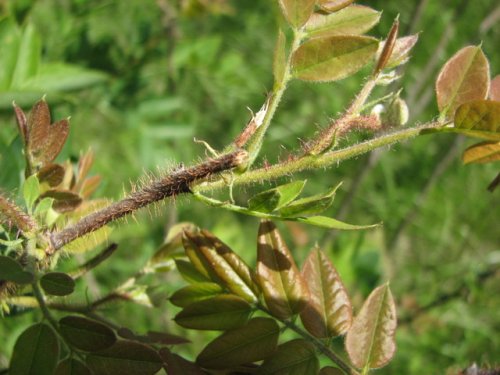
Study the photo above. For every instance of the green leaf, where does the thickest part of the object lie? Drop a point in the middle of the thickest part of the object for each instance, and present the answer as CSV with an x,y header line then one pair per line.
x,y
71,366
370,340
330,6
297,12
36,352
331,223
333,58
329,310
11,270
296,357
353,20
125,358
217,313
31,191
57,284
214,259
279,61
284,289
273,199
484,152
310,205
85,334
172,243
189,272
43,206
479,118
252,342
195,292
176,365
328,370
464,77
28,58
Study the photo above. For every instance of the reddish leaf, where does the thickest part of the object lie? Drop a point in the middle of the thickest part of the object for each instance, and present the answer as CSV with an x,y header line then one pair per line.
x,y
484,152
331,6
329,311
176,365
22,123
495,89
296,357
64,200
297,12
284,289
85,334
388,48
333,58
400,51
90,185
55,141
464,77
370,340
38,127
52,174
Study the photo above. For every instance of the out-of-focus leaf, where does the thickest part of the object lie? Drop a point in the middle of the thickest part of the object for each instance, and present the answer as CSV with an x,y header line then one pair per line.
x,y
214,259
57,284
330,6
284,289
252,342
331,223
176,365
495,89
296,357
484,152
370,340
125,358
71,366
52,174
36,352
28,58
333,58
297,12
43,206
31,191
279,61
86,334
217,313
189,272
464,77
152,337
64,200
400,52
331,371
353,20
310,205
276,198
479,118
329,311
11,270
89,186
195,292
172,242
56,139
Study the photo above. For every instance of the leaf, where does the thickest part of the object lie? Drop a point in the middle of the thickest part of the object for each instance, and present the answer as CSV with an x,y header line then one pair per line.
x,y
56,139
125,358
495,89
217,313
214,259
400,51
64,200
57,284
38,128
85,334
31,191
189,272
353,20
36,351
252,342
52,174
43,206
388,47
328,370
172,242
331,6
275,198
297,12
71,366
295,357
310,205
152,337
484,152
464,77
329,311
195,292
284,289
279,61
176,365
479,118
333,58
11,270
28,58
370,340
331,223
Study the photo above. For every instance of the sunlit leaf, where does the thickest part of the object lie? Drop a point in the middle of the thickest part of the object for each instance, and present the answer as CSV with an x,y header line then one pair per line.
x,y
296,357
176,365
284,289
495,89
297,12
195,292
125,358
388,48
333,58
273,199
329,311
331,223
217,313
11,270
31,191
57,284
484,152
370,340
36,352
400,52
279,61
464,77
479,118
353,20
189,272
330,6
310,205
85,334
71,366
252,342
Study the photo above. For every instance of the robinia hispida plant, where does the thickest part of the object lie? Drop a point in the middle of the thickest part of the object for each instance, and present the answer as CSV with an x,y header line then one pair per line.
x,y
253,306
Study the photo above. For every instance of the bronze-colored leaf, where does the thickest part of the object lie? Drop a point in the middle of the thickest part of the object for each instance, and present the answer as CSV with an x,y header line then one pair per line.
x,y
55,141
64,200
176,365
328,370
400,52
329,311
478,118
495,89
389,44
297,12
483,152
284,289
22,123
71,366
89,186
52,174
38,127
370,340
330,6
333,58
295,357
464,77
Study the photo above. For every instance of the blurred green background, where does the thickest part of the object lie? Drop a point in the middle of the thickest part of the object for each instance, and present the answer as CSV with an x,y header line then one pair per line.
x,y
141,78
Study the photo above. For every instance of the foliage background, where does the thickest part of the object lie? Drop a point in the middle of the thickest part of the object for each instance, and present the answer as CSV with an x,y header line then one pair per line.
x,y
143,77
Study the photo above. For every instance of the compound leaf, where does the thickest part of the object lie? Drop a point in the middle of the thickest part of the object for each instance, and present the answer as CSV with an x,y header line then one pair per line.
x,y
85,334
296,357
